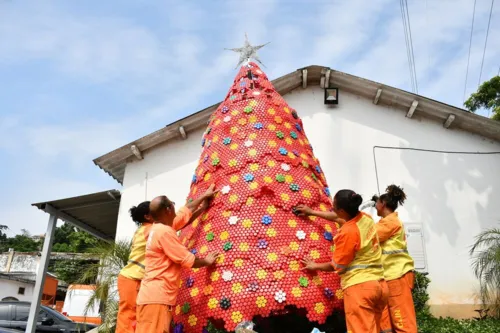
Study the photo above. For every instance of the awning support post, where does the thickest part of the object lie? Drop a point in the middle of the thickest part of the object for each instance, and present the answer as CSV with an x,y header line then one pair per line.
x,y
42,272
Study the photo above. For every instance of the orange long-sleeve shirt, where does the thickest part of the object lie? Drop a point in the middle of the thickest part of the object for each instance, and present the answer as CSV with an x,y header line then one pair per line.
x,y
165,257
135,266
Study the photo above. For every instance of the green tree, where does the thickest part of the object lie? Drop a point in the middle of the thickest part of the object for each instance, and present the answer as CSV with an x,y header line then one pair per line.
x,y
487,96
20,243
113,257
486,265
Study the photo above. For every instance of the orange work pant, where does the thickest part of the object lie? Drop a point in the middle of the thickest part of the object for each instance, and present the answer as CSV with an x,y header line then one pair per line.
x,y
127,290
154,318
399,315
364,304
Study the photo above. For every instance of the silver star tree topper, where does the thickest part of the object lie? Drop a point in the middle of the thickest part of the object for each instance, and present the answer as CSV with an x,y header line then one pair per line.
x,y
248,52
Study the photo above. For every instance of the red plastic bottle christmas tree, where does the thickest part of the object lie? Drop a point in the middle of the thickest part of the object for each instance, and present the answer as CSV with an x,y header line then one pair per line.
x,y
256,152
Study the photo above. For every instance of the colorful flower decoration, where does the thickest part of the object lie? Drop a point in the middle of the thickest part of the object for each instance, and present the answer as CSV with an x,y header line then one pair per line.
x,y
301,235
203,142
193,251
178,328
328,293
185,308
267,220
280,296
327,191
262,244
248,177
225,303
263,166
253,286
233,220
318,169
227,276
225,189
261,301
303,281
328,236
228,246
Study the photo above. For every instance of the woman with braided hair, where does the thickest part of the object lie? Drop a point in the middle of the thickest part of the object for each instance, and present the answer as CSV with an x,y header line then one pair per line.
x,y
399,316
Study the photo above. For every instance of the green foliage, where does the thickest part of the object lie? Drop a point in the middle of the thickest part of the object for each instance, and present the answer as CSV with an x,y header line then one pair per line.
x,y
66,239
486,265
70,239
429,324
113,257
68,271
20,243
420,294
487,96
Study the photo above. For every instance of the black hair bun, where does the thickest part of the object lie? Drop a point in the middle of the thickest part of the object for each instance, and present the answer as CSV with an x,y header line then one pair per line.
x,y
357,200
396,193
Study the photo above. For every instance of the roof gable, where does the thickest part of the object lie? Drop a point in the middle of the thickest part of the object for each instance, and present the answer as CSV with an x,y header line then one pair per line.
x,y
114,162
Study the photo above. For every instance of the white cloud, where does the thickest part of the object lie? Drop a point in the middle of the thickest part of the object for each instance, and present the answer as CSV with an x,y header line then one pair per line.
x,y
174,67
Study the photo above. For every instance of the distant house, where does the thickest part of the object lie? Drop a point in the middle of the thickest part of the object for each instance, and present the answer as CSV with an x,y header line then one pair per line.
x,y
18,272
19,287
444,157
38,237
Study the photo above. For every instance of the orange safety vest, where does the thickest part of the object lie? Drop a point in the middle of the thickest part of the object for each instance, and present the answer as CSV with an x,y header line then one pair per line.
x,y
395,257
367,262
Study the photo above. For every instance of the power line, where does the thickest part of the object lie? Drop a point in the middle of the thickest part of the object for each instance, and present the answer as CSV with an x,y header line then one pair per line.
x,y
485,42
406,43
470,46
411,44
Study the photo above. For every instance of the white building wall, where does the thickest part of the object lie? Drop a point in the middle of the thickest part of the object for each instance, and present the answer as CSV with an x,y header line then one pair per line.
x,y
452,196
10,288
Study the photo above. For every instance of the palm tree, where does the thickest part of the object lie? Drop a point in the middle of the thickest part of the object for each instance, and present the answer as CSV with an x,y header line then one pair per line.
x,y
113,257
486,264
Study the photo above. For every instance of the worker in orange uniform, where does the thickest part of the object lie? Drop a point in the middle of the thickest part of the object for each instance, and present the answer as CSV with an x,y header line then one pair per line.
x,y
165,257
357,259
399,316
129,279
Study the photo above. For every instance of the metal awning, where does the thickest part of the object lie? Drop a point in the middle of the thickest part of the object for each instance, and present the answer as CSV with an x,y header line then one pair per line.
x,y
95,213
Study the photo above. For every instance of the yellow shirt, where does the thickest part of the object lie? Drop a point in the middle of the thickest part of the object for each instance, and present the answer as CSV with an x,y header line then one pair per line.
x,y
135,267
395,257
357,253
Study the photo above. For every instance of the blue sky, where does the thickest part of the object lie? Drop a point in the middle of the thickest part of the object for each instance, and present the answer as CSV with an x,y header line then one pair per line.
x,y
81,78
